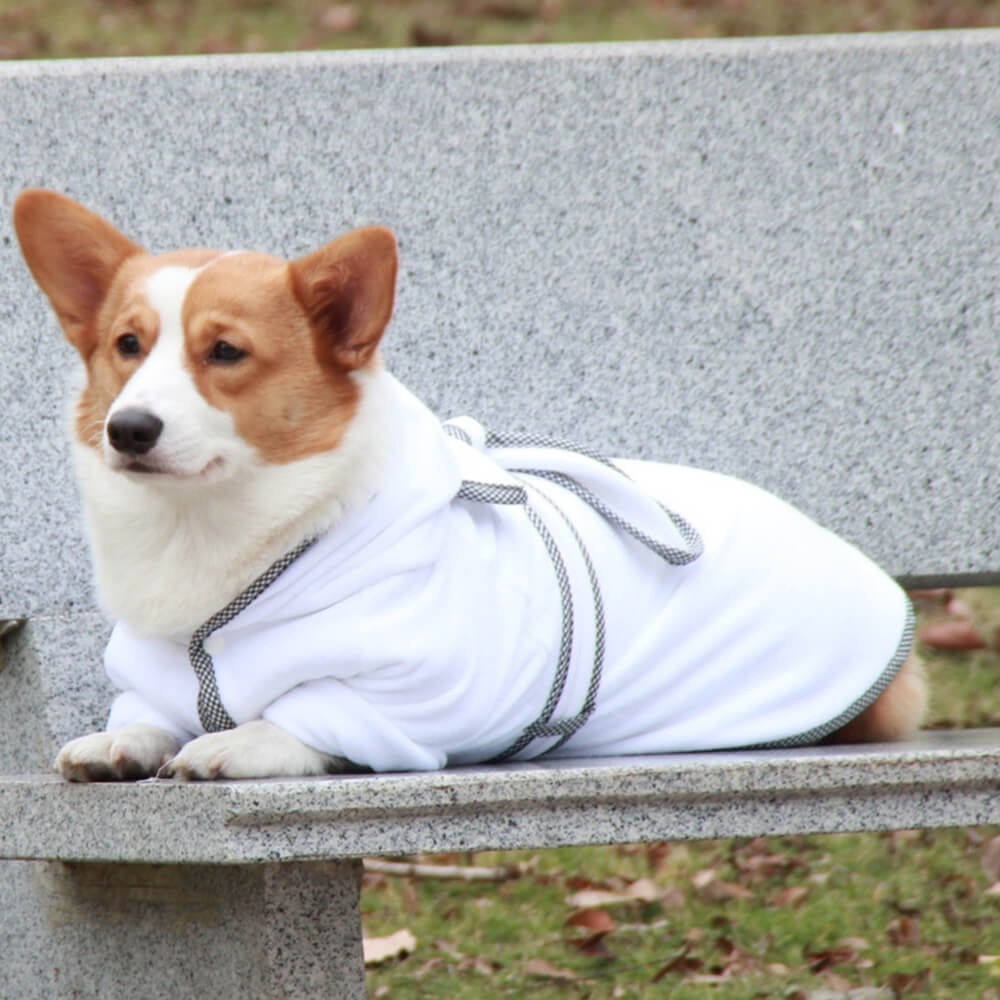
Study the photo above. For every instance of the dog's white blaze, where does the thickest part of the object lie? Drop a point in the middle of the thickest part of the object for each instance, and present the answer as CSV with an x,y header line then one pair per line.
x,y
163,375
195,434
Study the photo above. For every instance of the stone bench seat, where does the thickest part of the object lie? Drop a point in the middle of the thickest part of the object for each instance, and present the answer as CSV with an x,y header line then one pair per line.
x,y
943,778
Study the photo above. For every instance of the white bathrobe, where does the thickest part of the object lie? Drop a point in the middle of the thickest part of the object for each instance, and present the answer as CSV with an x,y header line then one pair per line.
x,y
431,627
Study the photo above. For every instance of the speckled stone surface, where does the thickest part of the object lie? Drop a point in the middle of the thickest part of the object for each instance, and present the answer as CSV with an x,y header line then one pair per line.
x,y
164,932
772,258
942,779
52,688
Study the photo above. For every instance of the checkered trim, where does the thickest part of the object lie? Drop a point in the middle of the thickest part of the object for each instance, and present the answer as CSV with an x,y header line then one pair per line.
x,y
211,712
676,557
543,727
820,733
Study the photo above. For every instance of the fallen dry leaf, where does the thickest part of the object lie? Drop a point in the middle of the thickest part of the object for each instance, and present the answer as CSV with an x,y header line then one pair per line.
x,y
477,963
682,965
449,949
955,634
381,949
958,608
793,895
700,879
594,920
990,861
927,598
839,984
857,943
340,18
819,961
904,932
719,892
905,984
541,969
428,967
757,863
641,891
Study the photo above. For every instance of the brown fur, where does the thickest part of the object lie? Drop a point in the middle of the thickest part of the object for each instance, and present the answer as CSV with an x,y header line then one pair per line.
x,y
897,713
297,408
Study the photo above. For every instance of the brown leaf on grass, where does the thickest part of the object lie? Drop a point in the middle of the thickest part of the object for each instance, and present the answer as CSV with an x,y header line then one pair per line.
x,y
682,965
857,943
540,969
906,984
958,608
599,923
993,890
449,949
476,963
938,595
656,854
428,967
839,984
904,932
640,891
793,895
594,920
954,634
502,10
340,18
990,861
757,863
594,946
700,879
720,892
819,961
712,889
381,949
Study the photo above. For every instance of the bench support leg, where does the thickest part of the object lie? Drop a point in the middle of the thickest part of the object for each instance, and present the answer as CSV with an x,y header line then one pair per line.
x,y
112,931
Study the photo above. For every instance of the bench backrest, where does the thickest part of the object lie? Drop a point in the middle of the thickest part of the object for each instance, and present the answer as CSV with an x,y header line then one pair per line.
x,y
776,259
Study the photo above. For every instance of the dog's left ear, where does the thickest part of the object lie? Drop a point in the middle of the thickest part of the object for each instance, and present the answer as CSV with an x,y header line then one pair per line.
x,y
346,288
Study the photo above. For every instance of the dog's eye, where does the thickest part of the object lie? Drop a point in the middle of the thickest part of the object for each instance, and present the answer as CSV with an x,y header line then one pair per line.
x,y
224,352
128,345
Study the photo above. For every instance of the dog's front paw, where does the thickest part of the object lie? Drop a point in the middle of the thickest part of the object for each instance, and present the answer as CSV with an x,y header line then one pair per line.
x,y
126,754
256,749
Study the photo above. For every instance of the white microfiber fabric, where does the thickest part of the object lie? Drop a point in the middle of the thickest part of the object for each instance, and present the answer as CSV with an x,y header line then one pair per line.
x,y
426,628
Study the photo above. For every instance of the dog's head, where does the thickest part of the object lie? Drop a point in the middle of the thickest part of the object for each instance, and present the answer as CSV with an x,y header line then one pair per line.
x,y
200,362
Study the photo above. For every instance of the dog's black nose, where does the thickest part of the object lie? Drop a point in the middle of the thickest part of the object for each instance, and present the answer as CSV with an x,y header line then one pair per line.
x,y
133,431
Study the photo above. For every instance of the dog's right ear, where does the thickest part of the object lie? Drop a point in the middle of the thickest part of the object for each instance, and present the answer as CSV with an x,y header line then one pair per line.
x,y
73,255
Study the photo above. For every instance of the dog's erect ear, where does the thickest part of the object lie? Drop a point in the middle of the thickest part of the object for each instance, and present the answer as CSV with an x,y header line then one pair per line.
x,y
346,289
73,255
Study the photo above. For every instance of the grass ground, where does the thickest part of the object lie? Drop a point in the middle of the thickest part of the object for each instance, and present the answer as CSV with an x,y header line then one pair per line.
x,y
80,28
865,916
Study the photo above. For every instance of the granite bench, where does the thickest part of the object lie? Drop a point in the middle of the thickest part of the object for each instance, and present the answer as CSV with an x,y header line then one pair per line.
x,y
772,258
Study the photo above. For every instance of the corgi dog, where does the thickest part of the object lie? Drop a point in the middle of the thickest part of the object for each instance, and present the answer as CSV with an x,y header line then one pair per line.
x,y
308,571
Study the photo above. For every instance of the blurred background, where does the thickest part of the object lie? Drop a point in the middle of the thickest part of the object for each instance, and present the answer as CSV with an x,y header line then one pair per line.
x,y
58,29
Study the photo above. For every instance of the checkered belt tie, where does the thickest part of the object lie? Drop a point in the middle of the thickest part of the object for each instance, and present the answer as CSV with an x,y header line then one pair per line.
x,y
544,727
